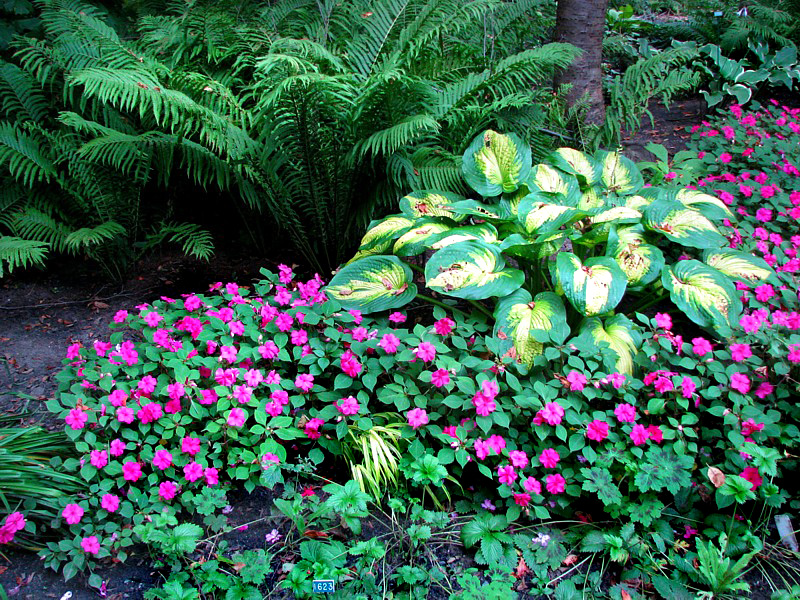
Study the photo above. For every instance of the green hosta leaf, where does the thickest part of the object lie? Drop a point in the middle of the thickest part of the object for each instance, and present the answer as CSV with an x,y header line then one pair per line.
x,y
417,239
704,294
429,203
373,284
621,335
479,209
577,163
471,270
495,163
642,263
380,234
682,225
540,215
533,249
639,202
616,214
523,323
509,203
591,198
711,206
739,265
545,178
619,173
599,481
484,232
592,288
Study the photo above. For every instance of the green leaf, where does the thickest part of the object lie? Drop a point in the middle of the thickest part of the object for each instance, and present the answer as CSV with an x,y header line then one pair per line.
x,y
496,163
642,263
544,178
373,284
619,173
380,234
738,265
522,323
539,214
577,163
594,287
429,203
619,333
703,293
471,270
709,205
599,481
418,239
682,225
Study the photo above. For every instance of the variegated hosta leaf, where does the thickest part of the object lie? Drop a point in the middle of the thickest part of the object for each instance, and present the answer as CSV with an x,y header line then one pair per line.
x,y
545,178
495,163
417,239
373,284
483,232
682,225
711,206
522,324
381,233
641,262
739,265
430,203
619,173
471,270
621,335
704,294
616,214
594,287
638,202
478,209
509,203
538,214
533,249
591,198
577,163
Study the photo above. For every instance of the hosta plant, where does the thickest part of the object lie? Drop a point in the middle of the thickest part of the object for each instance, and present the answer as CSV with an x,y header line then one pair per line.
x,y
563,248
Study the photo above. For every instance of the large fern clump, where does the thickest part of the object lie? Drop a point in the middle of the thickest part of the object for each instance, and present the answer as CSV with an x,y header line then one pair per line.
x,y
315,114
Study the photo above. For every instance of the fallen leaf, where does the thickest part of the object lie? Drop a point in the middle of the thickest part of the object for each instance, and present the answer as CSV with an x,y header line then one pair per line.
x,y
624,595
239,566
315,535
522,569
570,560
716,476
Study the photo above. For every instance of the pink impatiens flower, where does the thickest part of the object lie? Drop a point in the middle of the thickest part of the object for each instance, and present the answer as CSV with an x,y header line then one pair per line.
x,y
417,417
440,377
193,471
236,417
98,458
190,445
167,490
597,430
76,418
426,351
664,321
312,428
90,544
304,382
162,459
72,514
701,346
625,413
752,475
444,326
639,435
110,502
522,499
740,352
389,343
577,381
506,475
131,470
549,458
347,406
552,413
532,485
555,484
518,459
116,447
740,382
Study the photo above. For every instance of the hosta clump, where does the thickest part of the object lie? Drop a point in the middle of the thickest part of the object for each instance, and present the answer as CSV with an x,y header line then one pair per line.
x,y
576,227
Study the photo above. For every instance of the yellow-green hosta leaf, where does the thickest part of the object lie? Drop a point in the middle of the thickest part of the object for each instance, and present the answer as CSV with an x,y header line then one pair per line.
x,y
418,239
478,209
533,249
682,225
591,198
495,163
483,232
619,173
621,335
523,324
509,204
545,178
704,294
577,163
638,202
429,203
616,214
472,270
381,233
739,265
373,284
711,206
641,262
594,287
539,215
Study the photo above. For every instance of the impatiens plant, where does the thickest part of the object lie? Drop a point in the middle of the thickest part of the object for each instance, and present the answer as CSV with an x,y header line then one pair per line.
x,y
560,245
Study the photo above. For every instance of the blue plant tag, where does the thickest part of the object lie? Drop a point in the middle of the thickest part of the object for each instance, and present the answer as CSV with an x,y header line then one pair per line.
x,y
323,586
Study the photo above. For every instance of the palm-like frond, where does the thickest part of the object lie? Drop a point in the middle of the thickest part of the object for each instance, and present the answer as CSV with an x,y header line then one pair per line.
x,y
18,252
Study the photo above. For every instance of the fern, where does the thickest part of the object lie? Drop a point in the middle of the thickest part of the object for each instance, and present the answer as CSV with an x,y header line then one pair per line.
x,y
85,237
18,252
21,153
194,240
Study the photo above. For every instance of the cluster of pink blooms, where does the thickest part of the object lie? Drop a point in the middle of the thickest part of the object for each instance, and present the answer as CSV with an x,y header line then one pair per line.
x,y
13,523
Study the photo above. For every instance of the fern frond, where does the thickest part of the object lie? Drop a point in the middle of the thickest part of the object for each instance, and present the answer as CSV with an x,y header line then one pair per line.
x,y
33,224
194,240
408,131
17,252
364,50
86,237
20,98
22,154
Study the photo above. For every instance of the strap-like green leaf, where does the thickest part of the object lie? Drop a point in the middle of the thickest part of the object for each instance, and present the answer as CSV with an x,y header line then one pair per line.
x,y
704,294
523,324
373,284
682,225
594,287
495,163
471,270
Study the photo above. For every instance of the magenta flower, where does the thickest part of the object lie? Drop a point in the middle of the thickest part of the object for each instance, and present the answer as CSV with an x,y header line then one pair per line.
x,y
518,459
312,428
752,475
117,398
532,485
117,447
417,417
688,387
269,459
347,406
577,381
701,346
304,382
236,417
740,382
440,377
639,435
522,499
555,484
425,351
193,471
76,418
190,445
131,470
72,514
74,351
211,475
597,430
664,321
764,389
15,522
481,448
625,413
655,433
167,490
110,502
125,414
90,544
162,460
397,317
740,352
389,342
552,413
549,458
444,326
98,458
506,475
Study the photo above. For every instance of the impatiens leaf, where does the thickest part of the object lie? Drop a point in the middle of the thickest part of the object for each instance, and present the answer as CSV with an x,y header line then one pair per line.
x,y
373,284
522,324
429,203
417,239
598,481
703,293
495,163
545,178
619,173
739,265
682,225
577,163
471,270
642,263
621,336
594,287
538,214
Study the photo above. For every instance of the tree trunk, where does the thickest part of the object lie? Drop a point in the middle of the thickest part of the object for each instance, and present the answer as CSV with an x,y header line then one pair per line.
x,y
582,24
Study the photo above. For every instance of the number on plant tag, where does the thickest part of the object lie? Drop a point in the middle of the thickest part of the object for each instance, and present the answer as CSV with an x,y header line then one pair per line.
x,y
323,586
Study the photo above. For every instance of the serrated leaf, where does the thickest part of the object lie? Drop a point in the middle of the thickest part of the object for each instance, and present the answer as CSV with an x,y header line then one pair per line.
x,y
598,481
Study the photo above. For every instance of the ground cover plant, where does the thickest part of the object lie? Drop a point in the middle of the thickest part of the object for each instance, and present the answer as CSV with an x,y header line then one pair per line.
x,y
659,439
